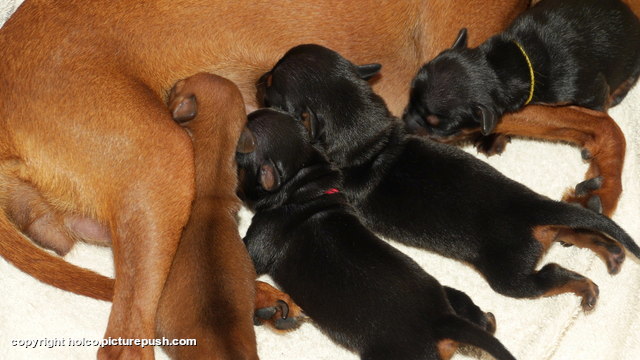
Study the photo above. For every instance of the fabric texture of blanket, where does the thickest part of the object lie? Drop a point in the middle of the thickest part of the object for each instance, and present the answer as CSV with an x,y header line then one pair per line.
x,y
539,329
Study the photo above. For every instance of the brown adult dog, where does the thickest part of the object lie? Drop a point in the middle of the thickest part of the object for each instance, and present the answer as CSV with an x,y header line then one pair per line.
x,y
89,150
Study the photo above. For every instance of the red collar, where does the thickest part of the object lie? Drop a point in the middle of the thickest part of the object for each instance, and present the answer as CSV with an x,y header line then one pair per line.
x,y
332,191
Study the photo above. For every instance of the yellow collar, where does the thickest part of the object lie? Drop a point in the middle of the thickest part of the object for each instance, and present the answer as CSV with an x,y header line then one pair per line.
x,y
531,74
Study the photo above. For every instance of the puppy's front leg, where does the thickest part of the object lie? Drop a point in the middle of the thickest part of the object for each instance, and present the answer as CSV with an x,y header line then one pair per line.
x,y
259,243
272,306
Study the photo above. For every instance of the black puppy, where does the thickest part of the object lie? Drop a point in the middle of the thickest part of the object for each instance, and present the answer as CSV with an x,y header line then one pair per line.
x,y
580,52
432,195
365,294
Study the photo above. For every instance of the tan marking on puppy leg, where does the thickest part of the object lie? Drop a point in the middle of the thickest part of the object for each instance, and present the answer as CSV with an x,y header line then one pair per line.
x,y
608,250
446,348
546,235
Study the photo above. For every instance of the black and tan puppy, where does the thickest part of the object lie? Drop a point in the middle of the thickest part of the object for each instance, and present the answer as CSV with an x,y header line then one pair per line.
x,y
560,52
581,53
362,292
578,52
432,195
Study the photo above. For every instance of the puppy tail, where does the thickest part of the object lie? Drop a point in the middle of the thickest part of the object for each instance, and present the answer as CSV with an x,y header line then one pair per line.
x,y
578,217
48,268
460,330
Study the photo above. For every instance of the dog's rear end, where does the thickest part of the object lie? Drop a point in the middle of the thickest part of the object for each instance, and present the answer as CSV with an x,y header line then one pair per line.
x,y
66,134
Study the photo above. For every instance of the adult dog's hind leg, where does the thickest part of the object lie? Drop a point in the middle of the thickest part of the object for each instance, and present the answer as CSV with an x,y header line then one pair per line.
x,y
155,187
602,142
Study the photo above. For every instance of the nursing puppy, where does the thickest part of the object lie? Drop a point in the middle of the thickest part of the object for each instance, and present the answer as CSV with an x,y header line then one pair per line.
x,y
559,52
432,195
365,294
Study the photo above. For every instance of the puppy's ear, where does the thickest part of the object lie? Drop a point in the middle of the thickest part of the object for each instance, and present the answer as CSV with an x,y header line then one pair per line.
x,y
367,71
461,41
247,142
269,177
487,119
266,79
184,108
310,121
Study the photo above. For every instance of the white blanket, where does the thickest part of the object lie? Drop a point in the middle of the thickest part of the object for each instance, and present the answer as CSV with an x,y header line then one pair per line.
x,y
549,328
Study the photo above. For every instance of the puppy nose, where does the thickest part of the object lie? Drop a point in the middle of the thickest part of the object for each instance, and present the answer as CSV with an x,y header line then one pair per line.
x,y
414,122
433,120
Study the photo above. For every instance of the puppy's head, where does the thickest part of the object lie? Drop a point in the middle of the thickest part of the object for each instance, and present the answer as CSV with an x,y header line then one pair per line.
x,y
327,93
451,95
273,155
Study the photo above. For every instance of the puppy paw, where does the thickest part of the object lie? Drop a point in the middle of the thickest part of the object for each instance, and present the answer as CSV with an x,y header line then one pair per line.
x,y
615,258
276,309
610,251
490,324
493,144
589,292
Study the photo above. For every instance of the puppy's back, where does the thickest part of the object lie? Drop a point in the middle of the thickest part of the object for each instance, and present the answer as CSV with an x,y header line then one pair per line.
x,y
606,33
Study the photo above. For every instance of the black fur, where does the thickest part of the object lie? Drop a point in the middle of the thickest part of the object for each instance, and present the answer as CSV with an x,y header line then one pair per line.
x,y
423,193
361,291
582,51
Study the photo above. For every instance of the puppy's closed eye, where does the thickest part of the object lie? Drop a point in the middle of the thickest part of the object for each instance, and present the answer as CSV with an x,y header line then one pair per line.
x,y
269,177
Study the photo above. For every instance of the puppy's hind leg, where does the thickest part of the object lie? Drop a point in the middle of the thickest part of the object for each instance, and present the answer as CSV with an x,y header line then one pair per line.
x,y
466,308
608,250
551,279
